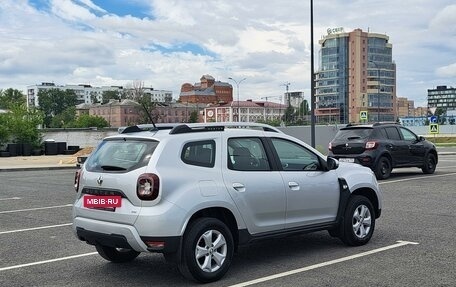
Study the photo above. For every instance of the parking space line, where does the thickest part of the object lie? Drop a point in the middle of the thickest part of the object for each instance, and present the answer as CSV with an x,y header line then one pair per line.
x,y
46,261
34,228
319,265
37,208
416,178
10,198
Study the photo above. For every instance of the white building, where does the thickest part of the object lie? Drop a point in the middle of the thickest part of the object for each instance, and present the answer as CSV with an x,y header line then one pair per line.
x,y
86,93
250,111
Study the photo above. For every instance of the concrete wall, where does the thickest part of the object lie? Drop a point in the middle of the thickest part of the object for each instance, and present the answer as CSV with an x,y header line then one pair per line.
x,y
323,134
80,137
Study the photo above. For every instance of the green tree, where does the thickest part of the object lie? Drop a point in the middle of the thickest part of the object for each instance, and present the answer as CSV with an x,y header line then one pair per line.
x,y
304,109
289,115
64,119
23,124
193,117
86,121
137,94
4,130
10,97
54,101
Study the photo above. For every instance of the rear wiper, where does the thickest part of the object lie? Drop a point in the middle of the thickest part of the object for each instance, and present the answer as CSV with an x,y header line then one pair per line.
x,y
352,138
112,167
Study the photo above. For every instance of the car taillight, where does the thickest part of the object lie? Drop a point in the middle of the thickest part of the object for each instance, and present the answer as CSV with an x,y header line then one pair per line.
x,y
330,146
147,186
77,178
371,145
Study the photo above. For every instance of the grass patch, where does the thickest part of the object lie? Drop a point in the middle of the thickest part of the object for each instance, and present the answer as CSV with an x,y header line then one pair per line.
x,y
442,141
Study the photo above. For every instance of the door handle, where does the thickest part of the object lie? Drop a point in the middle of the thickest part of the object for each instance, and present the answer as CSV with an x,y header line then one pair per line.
x,y
293,185
239,187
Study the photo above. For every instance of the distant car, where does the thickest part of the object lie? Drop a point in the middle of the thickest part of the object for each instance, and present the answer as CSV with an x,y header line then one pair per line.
x,y
195,192
382,147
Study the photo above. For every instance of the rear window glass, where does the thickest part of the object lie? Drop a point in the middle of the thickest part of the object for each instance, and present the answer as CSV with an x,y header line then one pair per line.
x,y
121,155
354,133
201,153
393,134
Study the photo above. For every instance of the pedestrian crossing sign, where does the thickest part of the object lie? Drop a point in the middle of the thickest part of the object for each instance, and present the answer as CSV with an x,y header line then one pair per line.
x,y
434,128
363,115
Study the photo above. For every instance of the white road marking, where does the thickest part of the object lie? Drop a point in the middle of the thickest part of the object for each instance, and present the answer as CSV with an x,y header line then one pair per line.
x,y
416,178
35,228
46,261
319,265
37,208
10,198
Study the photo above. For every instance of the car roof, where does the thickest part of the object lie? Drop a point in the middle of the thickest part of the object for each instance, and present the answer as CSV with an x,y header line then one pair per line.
x,y
370,126
160,131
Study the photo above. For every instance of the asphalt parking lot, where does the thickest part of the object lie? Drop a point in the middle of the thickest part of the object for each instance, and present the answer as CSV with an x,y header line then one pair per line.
x,y
413,245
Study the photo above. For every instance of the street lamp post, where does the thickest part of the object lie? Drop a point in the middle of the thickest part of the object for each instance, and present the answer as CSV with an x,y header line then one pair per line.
x,y
378,90
312,79
237,88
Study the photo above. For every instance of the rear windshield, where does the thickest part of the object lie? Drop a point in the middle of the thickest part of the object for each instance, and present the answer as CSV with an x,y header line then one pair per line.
x,y
353,133
120,155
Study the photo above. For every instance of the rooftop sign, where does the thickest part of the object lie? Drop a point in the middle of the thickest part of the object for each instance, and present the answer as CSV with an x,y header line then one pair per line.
x,y
335,30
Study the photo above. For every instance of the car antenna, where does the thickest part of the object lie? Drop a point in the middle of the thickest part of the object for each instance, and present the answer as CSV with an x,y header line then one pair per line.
x,y
149,115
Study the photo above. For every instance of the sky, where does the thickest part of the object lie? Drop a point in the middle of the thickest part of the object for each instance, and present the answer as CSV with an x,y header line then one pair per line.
x,y
166,43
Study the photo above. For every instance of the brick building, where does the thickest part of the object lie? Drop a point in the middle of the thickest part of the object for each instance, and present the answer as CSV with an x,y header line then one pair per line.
x,y
117,114
208,91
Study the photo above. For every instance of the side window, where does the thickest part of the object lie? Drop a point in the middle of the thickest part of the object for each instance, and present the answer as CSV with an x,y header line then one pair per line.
x,y
393,134
247,154
294,157
201,153
408,135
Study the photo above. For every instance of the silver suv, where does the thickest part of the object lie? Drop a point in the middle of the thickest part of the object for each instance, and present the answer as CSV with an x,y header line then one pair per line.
x,y
195,192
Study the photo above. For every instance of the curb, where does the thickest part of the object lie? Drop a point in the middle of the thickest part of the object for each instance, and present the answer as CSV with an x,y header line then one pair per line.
x,y
38,168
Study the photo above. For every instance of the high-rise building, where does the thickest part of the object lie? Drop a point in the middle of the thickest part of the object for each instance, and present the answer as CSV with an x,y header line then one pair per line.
x,y
405,107
356,74
442,97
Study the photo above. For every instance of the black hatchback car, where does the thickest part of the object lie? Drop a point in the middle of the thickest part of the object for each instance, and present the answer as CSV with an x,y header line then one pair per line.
x,y
382,147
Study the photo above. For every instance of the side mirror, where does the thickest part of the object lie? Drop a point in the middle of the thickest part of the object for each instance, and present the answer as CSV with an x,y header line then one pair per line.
x,y
421,139
332,163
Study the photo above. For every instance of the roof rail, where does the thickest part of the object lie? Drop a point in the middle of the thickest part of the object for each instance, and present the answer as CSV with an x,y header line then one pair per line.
x,y
145,127
386,123
201,127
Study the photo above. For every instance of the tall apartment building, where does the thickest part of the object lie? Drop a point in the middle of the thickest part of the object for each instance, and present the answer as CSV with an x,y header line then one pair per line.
x,y
86,94
356,73
208,91
405,107
442,97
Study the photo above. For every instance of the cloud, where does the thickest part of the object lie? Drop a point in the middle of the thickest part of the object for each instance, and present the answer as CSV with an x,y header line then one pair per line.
x,y
176,41
448,71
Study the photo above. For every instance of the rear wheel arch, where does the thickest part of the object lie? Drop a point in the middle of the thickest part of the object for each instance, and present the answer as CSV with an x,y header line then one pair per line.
x,y
221,213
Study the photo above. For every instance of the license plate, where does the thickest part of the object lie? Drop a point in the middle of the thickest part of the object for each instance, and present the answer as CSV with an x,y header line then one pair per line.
x,y
347,159
111,201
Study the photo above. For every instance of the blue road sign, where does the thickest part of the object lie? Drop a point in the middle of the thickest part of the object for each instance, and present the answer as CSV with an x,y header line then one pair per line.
x,y
433,119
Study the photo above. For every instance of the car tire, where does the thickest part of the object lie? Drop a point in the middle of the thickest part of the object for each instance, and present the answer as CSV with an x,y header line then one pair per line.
x,y
359,221
383,168
116,255
207,250
429,164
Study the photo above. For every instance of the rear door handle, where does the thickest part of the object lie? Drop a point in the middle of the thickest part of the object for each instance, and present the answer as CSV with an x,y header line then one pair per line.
x,y
293,185
239,186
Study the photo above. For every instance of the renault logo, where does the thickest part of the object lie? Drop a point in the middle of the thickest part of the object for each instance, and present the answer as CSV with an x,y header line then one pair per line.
x,y
100,180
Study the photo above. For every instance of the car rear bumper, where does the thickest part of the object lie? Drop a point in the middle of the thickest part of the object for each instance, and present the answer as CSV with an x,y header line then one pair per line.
x,y
122,236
